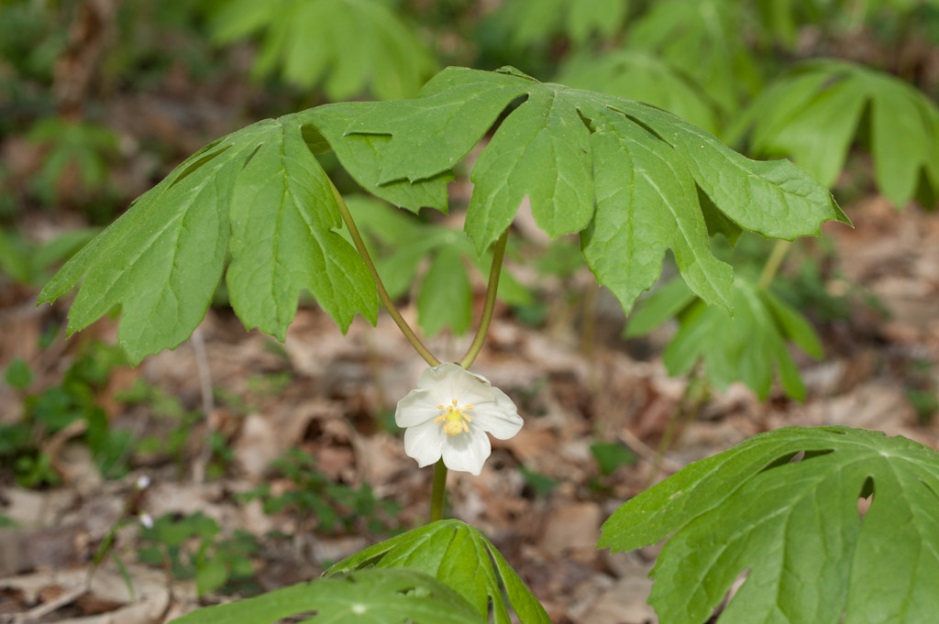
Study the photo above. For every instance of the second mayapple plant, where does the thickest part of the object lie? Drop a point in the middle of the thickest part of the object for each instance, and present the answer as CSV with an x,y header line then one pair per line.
x,y
257,209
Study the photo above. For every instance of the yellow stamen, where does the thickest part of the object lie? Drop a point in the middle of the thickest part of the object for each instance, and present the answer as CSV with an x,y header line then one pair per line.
x,y
454,418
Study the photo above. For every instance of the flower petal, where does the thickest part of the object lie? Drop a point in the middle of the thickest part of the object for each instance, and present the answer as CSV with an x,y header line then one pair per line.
x,y
436,380
472,388
424,443
417,407
467,452
451,381
500,421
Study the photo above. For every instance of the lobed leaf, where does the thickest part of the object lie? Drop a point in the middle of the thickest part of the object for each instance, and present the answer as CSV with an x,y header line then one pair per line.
x,y
362,156
634,179
309,41
646,203
702,38
793,527
460,556
530,22
639,75
257,195
814,114
367,596
749,346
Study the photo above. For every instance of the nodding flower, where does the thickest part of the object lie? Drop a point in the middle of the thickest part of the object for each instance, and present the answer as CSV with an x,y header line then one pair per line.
x,y
449,415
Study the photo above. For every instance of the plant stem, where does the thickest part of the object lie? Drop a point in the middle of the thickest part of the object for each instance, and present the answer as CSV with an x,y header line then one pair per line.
x,y
412,337
774,262
438,495
495,271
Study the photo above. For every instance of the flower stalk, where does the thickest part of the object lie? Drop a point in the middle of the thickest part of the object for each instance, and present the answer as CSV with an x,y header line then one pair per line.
x,y
386,301
438,494
492,289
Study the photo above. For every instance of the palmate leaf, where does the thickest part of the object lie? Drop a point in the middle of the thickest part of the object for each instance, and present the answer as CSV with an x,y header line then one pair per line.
x,y
748,346
627,175
794,528
351,46
702,38
368,596
813,115
257,195
644,77
460,556
537,21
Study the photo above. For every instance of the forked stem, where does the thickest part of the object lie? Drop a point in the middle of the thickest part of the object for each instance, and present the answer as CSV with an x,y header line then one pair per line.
x,y
438,493
386,301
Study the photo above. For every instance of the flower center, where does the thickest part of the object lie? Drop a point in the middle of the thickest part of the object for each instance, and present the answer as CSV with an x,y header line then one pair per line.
x,y
454,418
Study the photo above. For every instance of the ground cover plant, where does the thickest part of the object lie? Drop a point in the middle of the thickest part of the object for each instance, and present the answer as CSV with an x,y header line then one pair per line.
x,y
349,206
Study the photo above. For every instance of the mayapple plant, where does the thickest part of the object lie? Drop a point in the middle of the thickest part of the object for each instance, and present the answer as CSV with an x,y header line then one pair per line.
x,y
633,182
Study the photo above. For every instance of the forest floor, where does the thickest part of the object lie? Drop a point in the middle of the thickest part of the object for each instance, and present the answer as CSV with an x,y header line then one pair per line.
x,y
541,497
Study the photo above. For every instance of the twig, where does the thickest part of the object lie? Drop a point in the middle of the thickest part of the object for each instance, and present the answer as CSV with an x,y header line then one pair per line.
x,y
208,404
36,614
647,453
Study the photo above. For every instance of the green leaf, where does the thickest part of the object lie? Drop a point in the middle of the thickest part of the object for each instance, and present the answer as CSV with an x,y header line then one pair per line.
x,y
646,203
660,306
361,156
15,257
367,596
544,156
746,347
27,263
348,46
62,247
813,114
18,374
446,298
794,528
81,145
638,75
530,22
702,38
584,159
774,198
460,556
210,575
610,456
257,195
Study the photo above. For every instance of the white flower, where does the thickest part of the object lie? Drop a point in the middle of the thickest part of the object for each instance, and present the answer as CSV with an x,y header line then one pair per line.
x,y
449,414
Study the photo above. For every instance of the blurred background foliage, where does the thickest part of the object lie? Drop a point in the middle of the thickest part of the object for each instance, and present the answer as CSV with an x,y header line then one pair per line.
x,y
70,71
99,99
